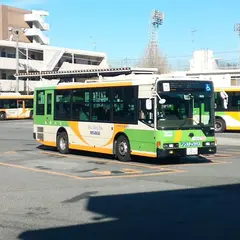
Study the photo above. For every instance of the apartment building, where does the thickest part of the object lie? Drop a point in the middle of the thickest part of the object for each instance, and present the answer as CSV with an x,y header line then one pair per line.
x,y
35,53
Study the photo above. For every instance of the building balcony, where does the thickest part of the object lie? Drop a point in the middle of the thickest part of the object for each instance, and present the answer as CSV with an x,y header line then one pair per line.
x,y
10,64
37,35
36,18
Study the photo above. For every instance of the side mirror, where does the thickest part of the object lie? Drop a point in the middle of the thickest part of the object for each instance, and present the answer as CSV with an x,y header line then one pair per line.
x,y
149,104
162,101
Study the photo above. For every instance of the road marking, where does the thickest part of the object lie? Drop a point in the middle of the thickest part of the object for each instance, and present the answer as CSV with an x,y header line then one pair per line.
x,y
172,171
40,170
101,172
233,151
138,175
109,161
127,170
9,152
214,162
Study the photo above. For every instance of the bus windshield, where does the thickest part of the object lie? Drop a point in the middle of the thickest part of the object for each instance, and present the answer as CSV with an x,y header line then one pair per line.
x,y
185,110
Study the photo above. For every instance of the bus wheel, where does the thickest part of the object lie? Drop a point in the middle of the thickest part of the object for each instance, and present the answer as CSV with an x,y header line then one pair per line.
x,y
220,125
62,143
123,149
2,115
31,115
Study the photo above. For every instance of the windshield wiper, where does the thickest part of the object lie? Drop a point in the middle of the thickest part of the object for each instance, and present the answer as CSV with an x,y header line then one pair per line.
x,y
198,123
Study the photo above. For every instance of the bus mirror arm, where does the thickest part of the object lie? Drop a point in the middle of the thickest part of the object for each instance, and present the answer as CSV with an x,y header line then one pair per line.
x,y
161,100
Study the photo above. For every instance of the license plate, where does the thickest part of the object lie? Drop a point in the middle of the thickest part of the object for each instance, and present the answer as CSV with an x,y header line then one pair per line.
x,y
192,151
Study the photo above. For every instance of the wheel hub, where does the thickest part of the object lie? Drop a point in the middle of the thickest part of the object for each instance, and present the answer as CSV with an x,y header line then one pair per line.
x,y
62,143
123,148
217,126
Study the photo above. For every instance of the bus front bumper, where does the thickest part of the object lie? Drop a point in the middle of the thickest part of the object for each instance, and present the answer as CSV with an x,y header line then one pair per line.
x,y
182,152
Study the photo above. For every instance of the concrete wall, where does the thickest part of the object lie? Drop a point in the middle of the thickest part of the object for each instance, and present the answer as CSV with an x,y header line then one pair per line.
x,y
12,17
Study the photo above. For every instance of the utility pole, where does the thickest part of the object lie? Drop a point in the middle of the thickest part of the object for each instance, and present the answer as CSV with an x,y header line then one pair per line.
x,y
193,35
16,32
237,30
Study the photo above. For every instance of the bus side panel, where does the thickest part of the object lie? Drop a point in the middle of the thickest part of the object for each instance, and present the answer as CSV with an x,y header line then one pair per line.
x,y
94,137
141,139
232,119
11,113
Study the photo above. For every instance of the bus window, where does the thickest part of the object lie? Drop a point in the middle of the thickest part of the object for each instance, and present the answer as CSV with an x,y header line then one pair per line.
x,y
124,105
101,107
40,102
235,102
63,105
28,103
80,105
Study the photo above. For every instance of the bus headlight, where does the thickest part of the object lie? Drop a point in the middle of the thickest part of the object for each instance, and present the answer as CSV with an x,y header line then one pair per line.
x,y
170,145
207,144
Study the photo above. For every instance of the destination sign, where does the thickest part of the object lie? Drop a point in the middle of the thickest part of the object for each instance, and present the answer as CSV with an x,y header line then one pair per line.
x,y
185,86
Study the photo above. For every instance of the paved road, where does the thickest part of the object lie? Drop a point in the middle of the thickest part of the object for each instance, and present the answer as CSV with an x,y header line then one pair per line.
x,y
45,195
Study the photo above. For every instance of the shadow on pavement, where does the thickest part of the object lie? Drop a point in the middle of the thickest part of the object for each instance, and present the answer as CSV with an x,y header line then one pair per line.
x,y
200,213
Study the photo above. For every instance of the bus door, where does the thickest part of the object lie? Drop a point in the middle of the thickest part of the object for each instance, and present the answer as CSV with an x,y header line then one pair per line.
x,y
49,106
20,109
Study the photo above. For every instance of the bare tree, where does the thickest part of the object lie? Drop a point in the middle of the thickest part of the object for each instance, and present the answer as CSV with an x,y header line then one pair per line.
x,y
153,58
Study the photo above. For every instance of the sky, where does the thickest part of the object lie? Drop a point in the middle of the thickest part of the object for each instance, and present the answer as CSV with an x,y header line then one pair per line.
x,y
121,27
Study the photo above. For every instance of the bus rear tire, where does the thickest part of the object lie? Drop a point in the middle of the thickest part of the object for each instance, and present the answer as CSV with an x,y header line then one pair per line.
x,y
123,149
63,143
220,125
2,115
31,115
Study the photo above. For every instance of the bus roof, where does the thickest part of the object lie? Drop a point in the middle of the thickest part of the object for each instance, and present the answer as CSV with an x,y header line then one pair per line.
x,y
16,96
228,89
122,80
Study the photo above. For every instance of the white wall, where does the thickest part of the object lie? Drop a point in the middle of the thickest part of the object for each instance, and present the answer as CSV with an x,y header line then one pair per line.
x,y
203,60
10,85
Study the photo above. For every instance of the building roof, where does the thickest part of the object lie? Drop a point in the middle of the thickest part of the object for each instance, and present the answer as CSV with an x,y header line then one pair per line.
x,y
4,43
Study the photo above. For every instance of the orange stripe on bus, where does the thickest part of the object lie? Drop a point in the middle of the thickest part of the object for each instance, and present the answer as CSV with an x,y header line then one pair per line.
x,y
74,127
91,149
143,154
94,85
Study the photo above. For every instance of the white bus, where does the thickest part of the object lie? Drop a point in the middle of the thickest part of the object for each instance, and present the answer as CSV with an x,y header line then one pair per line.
x,y
15,106
124,113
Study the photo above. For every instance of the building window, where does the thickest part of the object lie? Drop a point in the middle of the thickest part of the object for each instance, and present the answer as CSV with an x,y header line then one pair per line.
x,y
40,102
3,54
11,55
3,76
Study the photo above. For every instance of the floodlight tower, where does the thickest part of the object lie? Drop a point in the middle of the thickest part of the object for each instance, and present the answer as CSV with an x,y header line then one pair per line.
x,y
152,51
156,21
237,29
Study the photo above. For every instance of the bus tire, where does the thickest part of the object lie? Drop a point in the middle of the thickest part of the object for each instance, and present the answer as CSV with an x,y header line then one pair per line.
x,y
63,143
220,125
31,115
2,115
123,149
